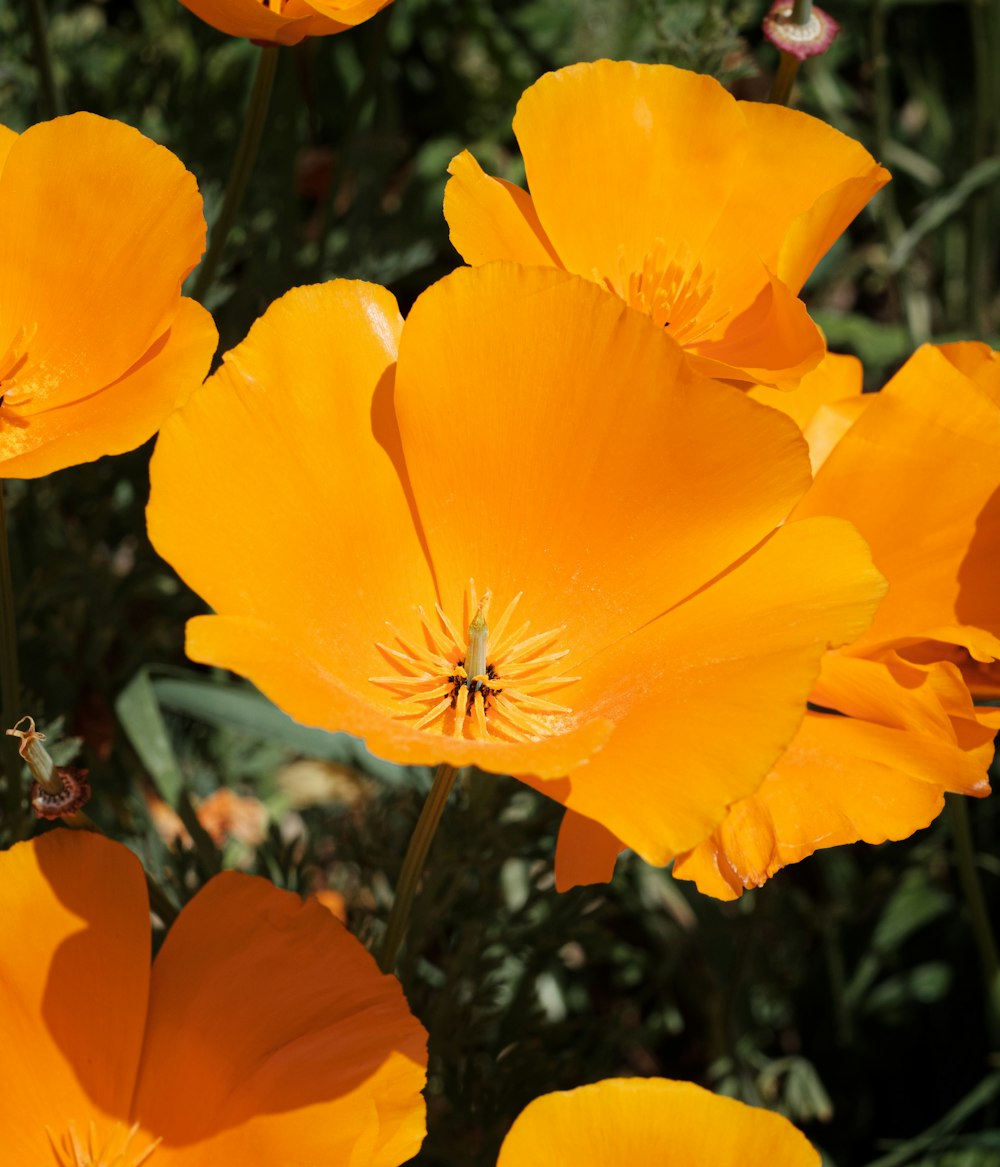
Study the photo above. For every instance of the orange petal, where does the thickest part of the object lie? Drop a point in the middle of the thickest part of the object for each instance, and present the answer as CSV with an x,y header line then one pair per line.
x,y
118,417
647,1122
879,773
824,405
489,218
273,1038
585,853
75,972
918,475
573,457
707,697
615,161
249,18
773,341
98,228
7,139
824,179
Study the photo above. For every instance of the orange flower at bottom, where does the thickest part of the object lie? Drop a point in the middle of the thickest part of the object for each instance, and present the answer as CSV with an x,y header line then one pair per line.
x,y
264,1033
647,1122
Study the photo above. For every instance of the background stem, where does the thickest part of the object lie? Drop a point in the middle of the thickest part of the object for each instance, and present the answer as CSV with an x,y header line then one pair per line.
x,y
52,99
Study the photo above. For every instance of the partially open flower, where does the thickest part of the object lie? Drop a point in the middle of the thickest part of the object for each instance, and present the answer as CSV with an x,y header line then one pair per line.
x,y
263,1033
517,532
649,1122
284,22
98,228
704,212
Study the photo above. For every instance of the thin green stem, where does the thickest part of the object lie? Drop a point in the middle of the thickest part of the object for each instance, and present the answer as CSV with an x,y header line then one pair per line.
x,y
43,57
979,915
10,678
413,865
981,254
788,66
239,175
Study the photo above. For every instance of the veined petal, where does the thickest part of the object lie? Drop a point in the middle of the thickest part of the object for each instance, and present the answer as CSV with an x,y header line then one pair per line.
x,y
586,852
706,698
824,179
573,457
615,160
647,1122
119,416
834,379
75,973
489,218
273,1038
98,228
918,475
909,734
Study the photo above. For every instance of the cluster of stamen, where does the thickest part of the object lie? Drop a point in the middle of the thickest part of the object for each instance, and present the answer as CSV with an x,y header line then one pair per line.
x,y
13,358
119,1151
486,685
671,289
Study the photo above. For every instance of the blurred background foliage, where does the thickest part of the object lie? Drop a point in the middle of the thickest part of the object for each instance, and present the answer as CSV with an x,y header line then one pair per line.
x,y
845,993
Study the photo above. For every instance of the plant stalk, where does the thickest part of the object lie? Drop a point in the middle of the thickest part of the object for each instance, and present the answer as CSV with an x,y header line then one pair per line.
x,y
239,174
43,58
979,916
413,865
10,677
788,66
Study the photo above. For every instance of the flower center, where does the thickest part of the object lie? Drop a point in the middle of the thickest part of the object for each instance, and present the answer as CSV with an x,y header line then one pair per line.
x,y
122,1149
486,685
672,290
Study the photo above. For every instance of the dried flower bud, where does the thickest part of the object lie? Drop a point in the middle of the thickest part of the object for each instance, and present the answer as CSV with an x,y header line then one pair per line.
x,y
56,791
800,41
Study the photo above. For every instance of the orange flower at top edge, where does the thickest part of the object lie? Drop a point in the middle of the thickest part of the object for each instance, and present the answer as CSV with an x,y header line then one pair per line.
x,y
264,1033
648,1122
516,532
705,212
284,22
919,474
98,228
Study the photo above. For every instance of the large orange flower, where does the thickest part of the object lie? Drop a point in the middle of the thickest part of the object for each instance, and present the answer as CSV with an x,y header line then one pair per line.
x,y
705,212
264,1033
518,533
647,1122
284,22
919,473
98,228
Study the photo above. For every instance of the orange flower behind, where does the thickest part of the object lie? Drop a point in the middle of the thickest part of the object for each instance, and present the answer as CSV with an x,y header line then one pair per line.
x,y
518,533
649,1122
98,228
704,212
284,22
919,474
264,1033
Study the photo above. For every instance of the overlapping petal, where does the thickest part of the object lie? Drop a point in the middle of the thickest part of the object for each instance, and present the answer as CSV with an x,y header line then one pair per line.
x,y
284,22
544,440
98,228
647,1122
671,212
919,473
266,1032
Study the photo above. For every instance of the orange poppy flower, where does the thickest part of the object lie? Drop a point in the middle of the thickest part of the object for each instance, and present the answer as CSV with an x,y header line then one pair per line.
x,y
284,22
705,212
919,474
647,1122
637,639
264,1033
98,228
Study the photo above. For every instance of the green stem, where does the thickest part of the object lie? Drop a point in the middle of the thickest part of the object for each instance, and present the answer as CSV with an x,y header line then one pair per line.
x,y
981,254
43,57
239,175
979,915
413,865
788,66
10,679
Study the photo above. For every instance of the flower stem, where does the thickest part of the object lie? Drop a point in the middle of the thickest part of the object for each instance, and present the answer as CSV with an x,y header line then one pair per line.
x,y
979,915
43,58
788,66
239,175
10,679
413,865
